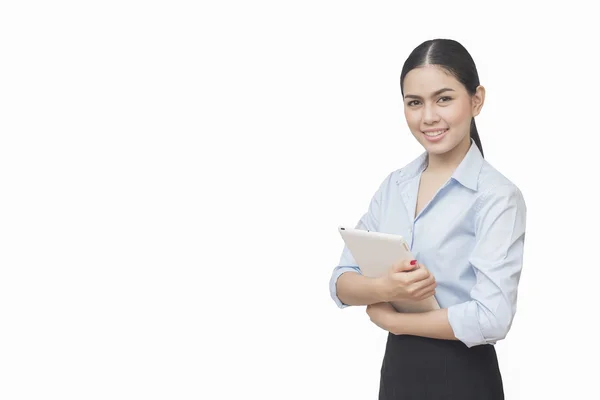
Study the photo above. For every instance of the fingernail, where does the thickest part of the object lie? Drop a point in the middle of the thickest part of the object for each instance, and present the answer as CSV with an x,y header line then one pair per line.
x,y
413,262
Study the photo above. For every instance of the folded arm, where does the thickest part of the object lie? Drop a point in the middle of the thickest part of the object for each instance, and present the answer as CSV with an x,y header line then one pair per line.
x,y
497,261
354,289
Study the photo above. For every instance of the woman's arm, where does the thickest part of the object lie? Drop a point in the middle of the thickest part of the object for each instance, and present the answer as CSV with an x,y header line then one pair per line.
x,y
403,281
354,289
431,324
497,260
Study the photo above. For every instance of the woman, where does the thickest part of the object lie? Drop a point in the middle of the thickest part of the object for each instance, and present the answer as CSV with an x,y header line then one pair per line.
x,y
465,223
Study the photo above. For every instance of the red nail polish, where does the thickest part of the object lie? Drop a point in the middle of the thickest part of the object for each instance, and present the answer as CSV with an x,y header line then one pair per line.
x,y
413,262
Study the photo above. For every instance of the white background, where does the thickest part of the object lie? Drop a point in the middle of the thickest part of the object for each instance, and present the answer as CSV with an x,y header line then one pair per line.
x,y
172,175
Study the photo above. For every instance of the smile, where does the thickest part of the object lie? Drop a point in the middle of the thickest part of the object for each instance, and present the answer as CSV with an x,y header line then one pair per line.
x,y
435,136
435,133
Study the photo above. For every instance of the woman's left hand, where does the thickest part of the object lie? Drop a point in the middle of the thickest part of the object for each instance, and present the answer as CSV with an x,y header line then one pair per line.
x,y
384,315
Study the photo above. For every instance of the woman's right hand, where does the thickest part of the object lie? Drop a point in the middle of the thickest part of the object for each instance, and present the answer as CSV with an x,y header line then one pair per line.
x,y
407,281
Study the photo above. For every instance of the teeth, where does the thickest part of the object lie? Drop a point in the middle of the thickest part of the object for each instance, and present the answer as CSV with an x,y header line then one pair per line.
x,y
437,133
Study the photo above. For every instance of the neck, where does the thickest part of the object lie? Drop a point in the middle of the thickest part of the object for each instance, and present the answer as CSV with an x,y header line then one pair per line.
x,y
448,162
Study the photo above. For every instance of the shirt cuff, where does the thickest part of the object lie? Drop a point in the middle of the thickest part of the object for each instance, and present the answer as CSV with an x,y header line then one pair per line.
x,y
463,318
337,272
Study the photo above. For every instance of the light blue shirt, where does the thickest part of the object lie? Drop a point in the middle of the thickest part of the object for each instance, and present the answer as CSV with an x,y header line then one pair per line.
x,y
470,236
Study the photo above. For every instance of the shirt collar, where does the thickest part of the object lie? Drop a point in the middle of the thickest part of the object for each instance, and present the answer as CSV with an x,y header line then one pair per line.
x,y
467,172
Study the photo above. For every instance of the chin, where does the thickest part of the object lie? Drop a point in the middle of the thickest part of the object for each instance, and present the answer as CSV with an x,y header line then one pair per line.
x,y
437,148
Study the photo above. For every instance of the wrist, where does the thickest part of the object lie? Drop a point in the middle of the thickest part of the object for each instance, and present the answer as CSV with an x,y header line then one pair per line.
x,y
398,323
379,290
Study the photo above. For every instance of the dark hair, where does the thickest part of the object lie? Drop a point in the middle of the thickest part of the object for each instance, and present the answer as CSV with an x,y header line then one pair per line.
x,y
454,58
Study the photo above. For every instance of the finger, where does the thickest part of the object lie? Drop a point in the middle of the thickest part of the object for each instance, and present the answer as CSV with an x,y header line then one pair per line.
x,y
423,283
418,287
404,266
426,295
417,275
426,292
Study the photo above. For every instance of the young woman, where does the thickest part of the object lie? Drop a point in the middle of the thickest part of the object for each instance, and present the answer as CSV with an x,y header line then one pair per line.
x,y
465,223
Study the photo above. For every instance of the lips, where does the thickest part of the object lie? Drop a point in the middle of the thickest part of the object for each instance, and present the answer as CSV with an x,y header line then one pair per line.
x,y
435,135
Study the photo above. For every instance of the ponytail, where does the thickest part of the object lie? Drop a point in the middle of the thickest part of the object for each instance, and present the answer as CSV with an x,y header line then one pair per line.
x,y
475,135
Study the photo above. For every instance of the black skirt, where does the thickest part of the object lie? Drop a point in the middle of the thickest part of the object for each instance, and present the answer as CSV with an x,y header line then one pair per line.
x,y
430,369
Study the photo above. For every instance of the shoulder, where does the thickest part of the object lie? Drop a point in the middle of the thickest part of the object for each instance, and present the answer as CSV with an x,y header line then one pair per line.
x,y
494,187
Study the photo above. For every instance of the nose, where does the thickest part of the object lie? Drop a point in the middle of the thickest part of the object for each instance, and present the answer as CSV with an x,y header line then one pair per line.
x,y
429,115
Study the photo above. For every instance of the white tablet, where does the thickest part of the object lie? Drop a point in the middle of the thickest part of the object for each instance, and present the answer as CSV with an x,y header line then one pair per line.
x,y
375,253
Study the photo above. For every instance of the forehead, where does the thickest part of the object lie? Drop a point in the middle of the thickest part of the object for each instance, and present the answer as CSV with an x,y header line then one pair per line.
x,y
427,79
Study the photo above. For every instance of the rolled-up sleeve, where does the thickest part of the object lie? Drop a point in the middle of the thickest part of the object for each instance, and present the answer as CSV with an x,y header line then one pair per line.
x,y
337,272
369,221
497,260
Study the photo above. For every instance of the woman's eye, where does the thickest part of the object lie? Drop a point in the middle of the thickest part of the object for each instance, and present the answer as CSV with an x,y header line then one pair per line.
x,y
444,99
413,103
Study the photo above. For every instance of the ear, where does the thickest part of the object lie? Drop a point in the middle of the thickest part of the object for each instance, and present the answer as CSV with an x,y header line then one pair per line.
x,y
477,100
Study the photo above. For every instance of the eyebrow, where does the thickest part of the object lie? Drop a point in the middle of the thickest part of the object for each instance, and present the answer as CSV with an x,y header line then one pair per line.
x,y
437,92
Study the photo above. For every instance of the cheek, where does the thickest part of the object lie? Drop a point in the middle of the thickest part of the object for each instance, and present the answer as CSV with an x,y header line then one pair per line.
x,y
412,118
458,115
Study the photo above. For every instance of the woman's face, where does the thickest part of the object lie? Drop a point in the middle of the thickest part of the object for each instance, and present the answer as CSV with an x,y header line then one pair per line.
x,y
438,109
